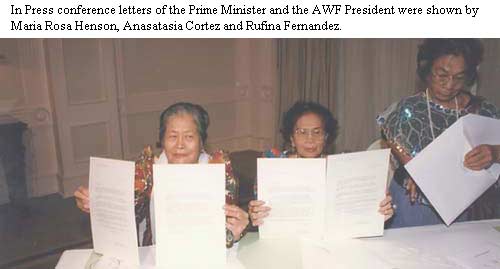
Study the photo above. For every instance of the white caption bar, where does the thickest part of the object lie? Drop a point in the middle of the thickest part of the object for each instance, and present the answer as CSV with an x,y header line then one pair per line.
x,y
249,18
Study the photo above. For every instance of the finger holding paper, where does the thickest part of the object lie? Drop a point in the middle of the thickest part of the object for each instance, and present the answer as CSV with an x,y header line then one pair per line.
x,y
82,199
386,207
258,211
482,156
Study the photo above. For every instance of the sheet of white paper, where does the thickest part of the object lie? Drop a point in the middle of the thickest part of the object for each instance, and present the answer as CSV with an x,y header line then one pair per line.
x,y
315,255
190,220
352,254
395,254
355,185
487,256
112,215
74,258
439,171
147,255
271,253
295,190
463,245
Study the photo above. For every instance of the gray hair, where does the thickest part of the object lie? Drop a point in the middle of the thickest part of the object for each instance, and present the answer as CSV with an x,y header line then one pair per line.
x,y
198,113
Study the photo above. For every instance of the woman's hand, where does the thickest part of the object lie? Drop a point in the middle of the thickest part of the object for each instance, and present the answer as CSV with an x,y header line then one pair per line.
x,y
386,208
236,220
481,157
82,199
258,211
411,190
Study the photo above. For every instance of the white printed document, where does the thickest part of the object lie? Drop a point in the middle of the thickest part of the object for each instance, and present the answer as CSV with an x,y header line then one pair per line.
x,y
356,184
295,190
189,215
112,215
439,170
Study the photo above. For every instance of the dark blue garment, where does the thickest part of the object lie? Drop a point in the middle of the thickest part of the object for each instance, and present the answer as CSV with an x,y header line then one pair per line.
x,y
416,214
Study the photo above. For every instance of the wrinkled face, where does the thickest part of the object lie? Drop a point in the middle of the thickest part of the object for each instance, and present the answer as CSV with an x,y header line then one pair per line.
x,y
309,136
447,77
182,142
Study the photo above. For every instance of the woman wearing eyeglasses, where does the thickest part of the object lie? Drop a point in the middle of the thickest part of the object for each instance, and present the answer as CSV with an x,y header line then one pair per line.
x,y
308,129
448,68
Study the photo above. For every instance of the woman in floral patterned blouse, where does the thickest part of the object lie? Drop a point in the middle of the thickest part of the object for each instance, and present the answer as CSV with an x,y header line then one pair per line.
x,y
183,133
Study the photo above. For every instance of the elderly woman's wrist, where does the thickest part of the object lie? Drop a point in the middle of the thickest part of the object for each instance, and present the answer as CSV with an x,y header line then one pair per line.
x,y
243,233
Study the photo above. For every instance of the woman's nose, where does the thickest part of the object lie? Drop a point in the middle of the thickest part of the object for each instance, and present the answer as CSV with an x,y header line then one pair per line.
x,y
179,142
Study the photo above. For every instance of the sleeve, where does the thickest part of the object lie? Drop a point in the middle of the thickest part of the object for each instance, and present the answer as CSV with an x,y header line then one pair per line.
x,y
393,131
143,186
231,181
403,126
389,122
231,188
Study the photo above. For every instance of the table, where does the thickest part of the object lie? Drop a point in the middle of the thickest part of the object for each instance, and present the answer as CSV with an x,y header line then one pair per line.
x,y
462,245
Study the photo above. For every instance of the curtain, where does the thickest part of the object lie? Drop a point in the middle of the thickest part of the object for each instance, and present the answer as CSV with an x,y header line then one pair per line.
x,y
307,72
489,79
355,78
373,74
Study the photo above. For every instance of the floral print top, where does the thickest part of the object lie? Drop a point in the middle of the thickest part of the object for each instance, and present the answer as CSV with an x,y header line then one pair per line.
x,y
144,187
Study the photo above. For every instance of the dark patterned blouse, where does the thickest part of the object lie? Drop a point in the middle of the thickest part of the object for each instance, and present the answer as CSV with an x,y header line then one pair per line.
x,y
407,127
144,188
406,124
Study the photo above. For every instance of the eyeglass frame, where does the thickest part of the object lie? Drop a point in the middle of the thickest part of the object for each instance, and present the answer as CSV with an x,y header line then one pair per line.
x,y
456,79
310,133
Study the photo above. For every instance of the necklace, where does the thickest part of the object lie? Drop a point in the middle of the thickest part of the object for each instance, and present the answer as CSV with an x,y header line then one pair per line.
x,y
429,112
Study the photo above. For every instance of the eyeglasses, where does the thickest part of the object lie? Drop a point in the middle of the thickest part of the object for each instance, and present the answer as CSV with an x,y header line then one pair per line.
x,y
444,78
315,134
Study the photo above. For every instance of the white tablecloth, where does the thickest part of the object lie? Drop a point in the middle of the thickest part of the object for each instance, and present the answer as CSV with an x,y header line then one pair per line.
x,y
462,245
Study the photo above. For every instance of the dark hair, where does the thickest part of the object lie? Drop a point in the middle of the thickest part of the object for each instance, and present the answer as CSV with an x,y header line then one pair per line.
x,y
431,49
199,114
301,108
